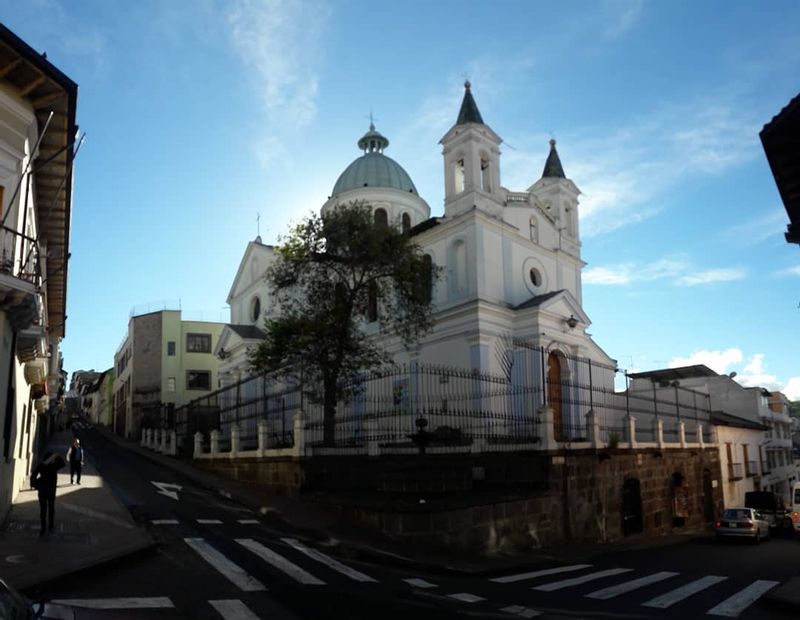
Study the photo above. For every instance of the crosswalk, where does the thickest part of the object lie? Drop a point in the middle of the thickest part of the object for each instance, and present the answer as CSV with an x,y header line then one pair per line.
x,y
731,606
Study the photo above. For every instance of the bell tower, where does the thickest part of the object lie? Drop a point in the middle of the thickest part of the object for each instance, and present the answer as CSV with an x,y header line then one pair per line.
x,y
471,163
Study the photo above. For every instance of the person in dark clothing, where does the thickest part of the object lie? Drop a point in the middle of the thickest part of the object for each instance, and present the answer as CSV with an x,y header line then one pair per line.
x,y
75,459
44,479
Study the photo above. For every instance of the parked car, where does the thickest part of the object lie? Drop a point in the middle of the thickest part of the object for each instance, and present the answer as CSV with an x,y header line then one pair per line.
x,y
742,523
773,508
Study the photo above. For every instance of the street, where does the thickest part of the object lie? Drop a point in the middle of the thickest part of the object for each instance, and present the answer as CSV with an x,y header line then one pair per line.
x,y
215,559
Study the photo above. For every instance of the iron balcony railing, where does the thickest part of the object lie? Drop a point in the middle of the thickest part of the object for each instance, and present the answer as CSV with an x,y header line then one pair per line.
x,y
19,256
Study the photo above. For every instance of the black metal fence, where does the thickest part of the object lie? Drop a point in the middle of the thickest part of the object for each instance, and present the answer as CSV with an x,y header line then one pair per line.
x,y
403,405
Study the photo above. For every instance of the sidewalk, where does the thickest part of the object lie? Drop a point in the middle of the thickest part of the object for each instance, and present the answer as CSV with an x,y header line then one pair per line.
x,y
321,524
92,527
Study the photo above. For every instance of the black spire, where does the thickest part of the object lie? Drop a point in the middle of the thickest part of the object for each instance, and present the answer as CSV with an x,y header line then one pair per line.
x,y
469,110
552,167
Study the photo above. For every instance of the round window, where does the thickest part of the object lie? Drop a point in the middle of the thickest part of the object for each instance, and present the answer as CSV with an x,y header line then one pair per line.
x,y
256,309
536,277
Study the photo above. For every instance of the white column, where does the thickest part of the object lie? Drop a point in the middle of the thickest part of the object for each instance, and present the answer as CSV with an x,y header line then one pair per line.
x,y
682,433
163,446
631,424
143,442
547,428
173,443
262,437
660,433
299,428
198,445
593,428
236,435
214,444
700,439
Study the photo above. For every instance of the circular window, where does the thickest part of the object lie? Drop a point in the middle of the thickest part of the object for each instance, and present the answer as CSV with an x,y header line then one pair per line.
x,y
255,310
536,277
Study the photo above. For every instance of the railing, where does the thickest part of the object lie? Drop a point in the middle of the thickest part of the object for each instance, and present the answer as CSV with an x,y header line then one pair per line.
x,y
19,256
735,471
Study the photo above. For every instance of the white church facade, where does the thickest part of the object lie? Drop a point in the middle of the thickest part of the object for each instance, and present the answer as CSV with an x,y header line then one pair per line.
x,y
510,263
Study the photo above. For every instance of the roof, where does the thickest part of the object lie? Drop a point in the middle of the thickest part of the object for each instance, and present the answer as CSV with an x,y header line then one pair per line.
x,y
538,300
552,167
248,332
672,374
721,418
374,170
424,225
469,112
48,89
781,141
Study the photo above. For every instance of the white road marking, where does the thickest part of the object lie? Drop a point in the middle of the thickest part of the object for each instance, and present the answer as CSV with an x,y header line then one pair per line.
x,y
117,603
249,521
210,521
540,573
167,488
164,522
466,597
679,594
233,609
237,575
280,562
328,561
736,604
628,586
420,583
576,581
522,612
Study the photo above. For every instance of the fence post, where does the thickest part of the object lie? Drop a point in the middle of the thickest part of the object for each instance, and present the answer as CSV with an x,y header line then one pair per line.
x,y
262,430
214,443
163,447
660,433
173,443
548,431
299,428
682,433
144,438
593,428
147,434
198,445
153,439
631,423
235,440
700,439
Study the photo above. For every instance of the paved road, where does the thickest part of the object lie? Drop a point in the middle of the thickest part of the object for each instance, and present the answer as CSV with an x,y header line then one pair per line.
x,y
216,559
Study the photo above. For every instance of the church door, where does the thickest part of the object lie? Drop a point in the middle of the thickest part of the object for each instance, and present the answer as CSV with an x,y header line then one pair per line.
x,y
554,394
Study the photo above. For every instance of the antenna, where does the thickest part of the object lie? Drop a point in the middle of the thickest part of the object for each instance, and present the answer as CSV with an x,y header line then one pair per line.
x,y
258,224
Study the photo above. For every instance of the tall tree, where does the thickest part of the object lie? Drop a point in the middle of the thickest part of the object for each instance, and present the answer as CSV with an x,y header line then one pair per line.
x,y
335,275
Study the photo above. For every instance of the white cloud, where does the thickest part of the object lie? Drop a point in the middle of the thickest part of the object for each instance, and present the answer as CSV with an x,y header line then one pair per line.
x,y
789,271
718,361
710,276
753,231
792,388
625,15
754,375
618,274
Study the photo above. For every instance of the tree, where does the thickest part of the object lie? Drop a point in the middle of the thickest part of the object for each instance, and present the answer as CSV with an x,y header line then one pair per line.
x,y
334,275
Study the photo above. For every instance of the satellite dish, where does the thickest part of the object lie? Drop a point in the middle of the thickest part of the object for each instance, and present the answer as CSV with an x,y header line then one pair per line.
x,y
732,375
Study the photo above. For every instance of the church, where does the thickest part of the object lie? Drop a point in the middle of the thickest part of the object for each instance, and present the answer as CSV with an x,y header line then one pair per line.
x,y
510,262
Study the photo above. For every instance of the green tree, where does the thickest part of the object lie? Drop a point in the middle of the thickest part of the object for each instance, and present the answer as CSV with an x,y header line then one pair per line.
x,y
334,275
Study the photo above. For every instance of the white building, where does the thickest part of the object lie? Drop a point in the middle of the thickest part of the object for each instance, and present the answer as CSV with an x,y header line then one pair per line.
x,y
511,259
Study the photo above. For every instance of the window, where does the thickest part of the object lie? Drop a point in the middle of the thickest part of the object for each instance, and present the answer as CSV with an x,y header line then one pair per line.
x,y
406,222
534,233
459,268
198,380
459,176
172,384
171,347
536,277
255,309
381,218
198,343
485,183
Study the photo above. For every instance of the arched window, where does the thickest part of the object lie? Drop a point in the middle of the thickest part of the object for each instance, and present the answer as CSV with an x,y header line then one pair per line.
x,y
255,309
534,230
406,222
459,268
427,277
381,218
458,172
486,184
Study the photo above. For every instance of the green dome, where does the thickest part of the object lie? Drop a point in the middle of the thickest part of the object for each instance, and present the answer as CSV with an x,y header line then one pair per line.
x,y
374,169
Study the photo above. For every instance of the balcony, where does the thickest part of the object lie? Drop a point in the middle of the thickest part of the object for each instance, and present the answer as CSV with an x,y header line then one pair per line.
x,y
20,278
752,468
735,471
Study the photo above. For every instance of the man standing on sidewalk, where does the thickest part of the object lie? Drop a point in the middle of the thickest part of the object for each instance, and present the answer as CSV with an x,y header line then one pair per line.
x,y
75,458
44,479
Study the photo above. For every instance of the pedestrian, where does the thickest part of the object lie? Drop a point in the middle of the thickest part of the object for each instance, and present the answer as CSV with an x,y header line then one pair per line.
x,y
75,459
44,479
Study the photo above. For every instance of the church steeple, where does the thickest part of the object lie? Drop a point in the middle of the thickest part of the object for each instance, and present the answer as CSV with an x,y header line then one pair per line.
x,y
552,167
469,112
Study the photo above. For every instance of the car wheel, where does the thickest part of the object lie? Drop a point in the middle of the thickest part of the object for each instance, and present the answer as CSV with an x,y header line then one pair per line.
x,y
758,538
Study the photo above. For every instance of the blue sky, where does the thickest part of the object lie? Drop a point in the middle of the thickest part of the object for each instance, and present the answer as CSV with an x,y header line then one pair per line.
x,y
200,114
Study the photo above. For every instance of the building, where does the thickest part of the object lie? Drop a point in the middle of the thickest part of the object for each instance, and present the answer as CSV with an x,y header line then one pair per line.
x,y
37,149
163,361
511,263
99,399
764,456
781,139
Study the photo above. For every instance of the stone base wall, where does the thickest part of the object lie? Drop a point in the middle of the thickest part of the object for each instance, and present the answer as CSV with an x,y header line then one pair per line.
x,y
501,502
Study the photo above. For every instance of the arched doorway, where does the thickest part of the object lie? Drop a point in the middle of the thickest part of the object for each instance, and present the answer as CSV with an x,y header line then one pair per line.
x,y
554,400
632,522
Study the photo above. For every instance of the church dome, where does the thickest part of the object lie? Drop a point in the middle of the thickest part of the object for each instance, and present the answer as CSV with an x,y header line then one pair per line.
x,y
373,169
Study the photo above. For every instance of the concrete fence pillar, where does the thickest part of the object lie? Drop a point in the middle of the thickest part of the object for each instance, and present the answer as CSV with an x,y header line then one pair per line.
x,y
714,435
143,442
299,431
146,433
547,427
198,445
630,425
700,439
214,444
236,436
682,433
173,443
660,433
262,429
593,428
163,447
